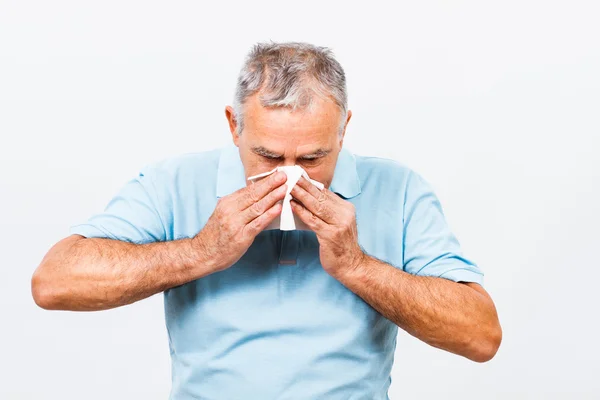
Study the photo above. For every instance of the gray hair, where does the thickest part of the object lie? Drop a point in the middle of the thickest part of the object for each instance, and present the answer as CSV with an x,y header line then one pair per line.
x,y
289,75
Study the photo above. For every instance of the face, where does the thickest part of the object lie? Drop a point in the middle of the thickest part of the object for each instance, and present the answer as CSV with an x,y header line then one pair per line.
x,y
274,137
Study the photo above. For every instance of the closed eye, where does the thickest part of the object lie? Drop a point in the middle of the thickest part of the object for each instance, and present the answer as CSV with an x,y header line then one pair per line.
x,y
272,159
310,161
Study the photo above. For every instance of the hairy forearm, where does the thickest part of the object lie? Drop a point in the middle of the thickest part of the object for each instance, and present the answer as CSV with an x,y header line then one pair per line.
x,y
455,317
96,274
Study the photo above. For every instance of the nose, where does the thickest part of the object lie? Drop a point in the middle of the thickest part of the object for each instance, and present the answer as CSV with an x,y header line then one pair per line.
x,y
289,162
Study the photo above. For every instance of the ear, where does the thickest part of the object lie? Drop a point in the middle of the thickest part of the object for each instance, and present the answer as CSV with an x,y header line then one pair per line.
x,y
231,120
345,126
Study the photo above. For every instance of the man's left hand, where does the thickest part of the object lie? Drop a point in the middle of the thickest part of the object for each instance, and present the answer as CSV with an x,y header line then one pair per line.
x,y
334,222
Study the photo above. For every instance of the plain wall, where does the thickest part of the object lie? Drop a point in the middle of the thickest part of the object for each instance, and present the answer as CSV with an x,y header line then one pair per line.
x,y
496,104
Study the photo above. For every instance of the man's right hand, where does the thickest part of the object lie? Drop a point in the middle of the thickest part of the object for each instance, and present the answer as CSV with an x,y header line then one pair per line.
x,y
238,218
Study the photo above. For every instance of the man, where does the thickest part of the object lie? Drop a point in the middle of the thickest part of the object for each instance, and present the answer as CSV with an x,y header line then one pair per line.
x,y
255,313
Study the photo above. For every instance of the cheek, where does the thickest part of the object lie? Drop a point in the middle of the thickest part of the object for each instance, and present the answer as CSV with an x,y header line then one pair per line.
x,y
261,162
257,165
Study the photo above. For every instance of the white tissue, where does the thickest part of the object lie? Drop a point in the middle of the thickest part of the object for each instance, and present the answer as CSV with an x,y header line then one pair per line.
x,y
287,221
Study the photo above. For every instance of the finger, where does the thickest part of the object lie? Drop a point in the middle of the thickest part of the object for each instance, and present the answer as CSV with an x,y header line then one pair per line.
x,y
334,202
311,220
309,187
259,223
261,206
320,207
257,190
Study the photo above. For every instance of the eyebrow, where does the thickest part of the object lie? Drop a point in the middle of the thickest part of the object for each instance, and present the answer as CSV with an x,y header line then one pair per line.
x,y
262,151
316,154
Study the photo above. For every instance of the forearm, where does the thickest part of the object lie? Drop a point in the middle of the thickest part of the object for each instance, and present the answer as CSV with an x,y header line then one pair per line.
x,y
97,274
445,314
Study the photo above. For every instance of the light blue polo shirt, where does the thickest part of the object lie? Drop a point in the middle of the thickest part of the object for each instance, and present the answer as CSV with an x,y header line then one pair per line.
x,y
275,325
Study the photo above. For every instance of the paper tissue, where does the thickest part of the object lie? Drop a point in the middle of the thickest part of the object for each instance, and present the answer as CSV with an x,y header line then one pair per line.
x,y
287,221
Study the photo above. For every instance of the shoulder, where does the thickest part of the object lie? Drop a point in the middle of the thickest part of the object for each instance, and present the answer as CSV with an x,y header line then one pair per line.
x,y
183,175
183,165
385,171
389,177
381,165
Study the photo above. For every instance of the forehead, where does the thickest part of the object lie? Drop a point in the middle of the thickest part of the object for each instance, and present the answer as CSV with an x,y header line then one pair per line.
x,y
321,119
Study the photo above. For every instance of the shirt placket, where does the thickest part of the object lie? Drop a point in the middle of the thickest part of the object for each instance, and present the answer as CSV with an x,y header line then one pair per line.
x,y
288,252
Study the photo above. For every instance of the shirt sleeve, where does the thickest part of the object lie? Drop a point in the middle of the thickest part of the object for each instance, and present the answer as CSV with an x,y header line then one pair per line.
x,y
132,215
430,248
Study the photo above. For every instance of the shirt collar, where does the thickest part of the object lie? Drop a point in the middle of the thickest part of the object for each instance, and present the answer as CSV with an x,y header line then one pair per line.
x,y
231,175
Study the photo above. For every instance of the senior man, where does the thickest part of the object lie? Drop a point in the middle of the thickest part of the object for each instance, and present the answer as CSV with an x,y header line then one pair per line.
x,y
256,313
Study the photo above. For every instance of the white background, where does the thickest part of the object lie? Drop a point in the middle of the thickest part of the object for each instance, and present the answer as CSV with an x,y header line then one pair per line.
x,y
497,104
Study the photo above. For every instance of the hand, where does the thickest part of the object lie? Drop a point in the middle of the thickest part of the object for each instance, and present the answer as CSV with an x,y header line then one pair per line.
x,y
238,218
334,221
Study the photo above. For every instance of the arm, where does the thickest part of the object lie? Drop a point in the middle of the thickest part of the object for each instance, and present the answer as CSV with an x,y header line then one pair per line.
x,y
460,318
457,317
86,274
83,274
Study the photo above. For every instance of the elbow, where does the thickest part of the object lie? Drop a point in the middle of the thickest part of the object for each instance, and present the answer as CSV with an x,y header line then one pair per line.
x,y
51,280
486,347
43,290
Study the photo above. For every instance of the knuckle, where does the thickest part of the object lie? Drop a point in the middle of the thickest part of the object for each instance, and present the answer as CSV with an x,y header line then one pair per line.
x,y
322,197
252,192
256,208
240,204
254,226
320,208
238,242
313,218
